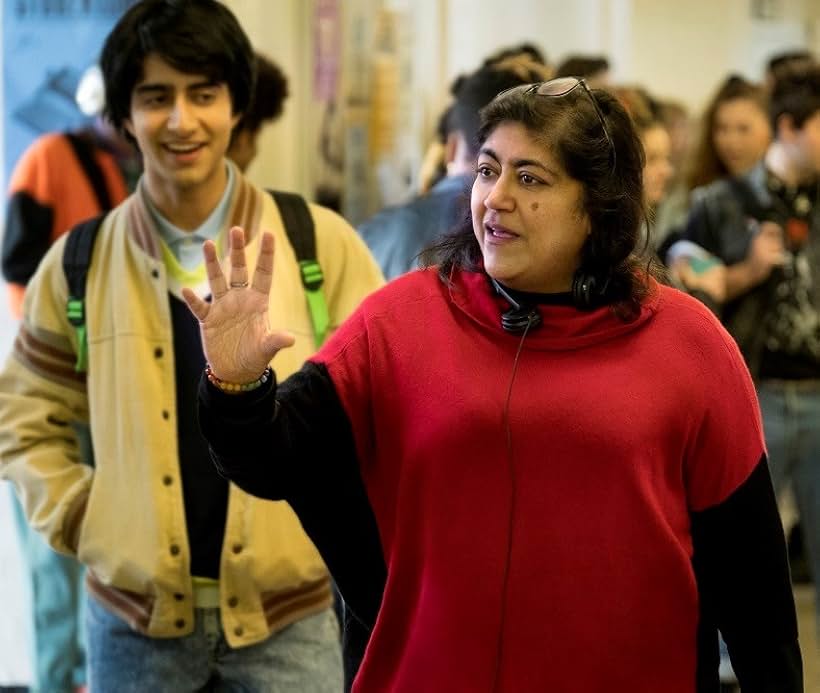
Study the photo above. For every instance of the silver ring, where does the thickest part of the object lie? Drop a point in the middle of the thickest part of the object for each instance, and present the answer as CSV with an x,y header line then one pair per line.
x,y
239,285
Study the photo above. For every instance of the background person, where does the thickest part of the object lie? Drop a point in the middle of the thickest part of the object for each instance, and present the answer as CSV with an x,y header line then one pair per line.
x,y
765,225
269,93
734,133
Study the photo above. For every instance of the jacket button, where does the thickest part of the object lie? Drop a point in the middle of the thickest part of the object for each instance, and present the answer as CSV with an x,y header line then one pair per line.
x,y
238,631
155,273
232,602
158,353
237,548
165,414
180,623
167,480
174,550
179,596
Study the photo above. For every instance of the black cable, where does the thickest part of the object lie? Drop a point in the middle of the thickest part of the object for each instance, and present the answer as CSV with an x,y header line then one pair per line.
x,y
510,525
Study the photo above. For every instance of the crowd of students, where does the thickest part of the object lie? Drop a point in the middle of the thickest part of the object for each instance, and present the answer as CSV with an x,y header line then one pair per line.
x,y
525,443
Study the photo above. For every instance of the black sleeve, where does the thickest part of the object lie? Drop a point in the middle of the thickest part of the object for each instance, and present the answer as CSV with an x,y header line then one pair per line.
x,y
27,237
745,591
701,229
294,442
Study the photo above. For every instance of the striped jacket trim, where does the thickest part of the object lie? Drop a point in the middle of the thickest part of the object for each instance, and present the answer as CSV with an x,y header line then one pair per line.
x,y
281,609
134,609
46,360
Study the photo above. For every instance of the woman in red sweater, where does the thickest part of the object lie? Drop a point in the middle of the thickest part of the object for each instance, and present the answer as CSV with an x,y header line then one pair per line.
x,y
530,467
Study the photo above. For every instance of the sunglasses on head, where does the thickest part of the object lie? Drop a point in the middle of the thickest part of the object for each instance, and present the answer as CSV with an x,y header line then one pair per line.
x,y
561,87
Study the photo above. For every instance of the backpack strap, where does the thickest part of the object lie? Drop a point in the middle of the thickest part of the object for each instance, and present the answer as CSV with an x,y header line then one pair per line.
x,y
84,151
76,261
301,233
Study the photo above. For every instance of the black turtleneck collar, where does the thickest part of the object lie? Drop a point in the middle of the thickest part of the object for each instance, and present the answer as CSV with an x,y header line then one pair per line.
x,y
533,298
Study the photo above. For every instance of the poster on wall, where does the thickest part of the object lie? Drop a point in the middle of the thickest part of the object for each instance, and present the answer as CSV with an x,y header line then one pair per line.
x,y
47,45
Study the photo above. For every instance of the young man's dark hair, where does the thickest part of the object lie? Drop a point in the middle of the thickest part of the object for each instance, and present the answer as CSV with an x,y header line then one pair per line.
x,y
796,93
194,36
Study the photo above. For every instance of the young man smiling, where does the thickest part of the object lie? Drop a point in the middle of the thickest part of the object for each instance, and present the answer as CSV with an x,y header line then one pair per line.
x,y
193,584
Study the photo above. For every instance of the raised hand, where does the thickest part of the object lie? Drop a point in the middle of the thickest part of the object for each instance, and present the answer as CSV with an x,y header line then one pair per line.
x,y
236,337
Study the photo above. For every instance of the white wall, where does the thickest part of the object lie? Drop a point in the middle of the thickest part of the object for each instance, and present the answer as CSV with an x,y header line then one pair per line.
x,y
675,49
281,30
683,50
478,28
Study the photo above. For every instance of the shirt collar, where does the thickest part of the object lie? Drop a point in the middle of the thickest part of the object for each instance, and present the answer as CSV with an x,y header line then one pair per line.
x,y
208,230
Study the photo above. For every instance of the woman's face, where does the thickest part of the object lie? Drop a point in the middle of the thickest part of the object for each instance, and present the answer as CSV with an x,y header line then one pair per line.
x,y
658,168
741,134
527,213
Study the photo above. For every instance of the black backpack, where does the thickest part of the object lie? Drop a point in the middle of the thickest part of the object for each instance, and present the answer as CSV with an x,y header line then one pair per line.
x,y
300,230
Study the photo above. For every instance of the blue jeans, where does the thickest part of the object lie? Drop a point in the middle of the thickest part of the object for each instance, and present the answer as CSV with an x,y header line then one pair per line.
x,y
56,589
791,419
304,657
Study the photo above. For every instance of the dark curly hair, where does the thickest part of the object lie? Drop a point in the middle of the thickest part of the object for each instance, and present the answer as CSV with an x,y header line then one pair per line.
x,y
615,252
796,93
268,99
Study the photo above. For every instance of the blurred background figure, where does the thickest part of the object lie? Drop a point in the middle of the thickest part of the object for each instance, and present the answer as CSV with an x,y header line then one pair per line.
x,y
266,106
732,139
764,224
656,142
594,69
397,235
61,180
670,212
734,133
785,60
691,268
675,117
526,60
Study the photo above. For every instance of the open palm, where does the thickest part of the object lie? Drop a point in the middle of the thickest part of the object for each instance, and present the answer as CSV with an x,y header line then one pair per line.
x,y
236,338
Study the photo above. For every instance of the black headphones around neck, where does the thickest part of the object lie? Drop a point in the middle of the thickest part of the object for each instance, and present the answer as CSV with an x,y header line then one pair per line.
x,y
518,317
586,295
585,292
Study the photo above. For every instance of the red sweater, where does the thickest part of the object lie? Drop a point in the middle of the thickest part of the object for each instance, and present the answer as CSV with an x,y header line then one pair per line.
x,y
565,560
629,517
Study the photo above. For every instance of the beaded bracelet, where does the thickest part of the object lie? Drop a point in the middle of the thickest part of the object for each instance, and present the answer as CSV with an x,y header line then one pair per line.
x,y
236,388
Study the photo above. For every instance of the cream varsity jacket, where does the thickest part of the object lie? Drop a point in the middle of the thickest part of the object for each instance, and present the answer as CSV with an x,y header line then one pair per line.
x,y
124,519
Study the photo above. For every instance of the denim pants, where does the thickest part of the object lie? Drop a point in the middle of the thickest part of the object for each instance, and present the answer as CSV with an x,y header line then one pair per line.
x,y
56,595
304,657
791,421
